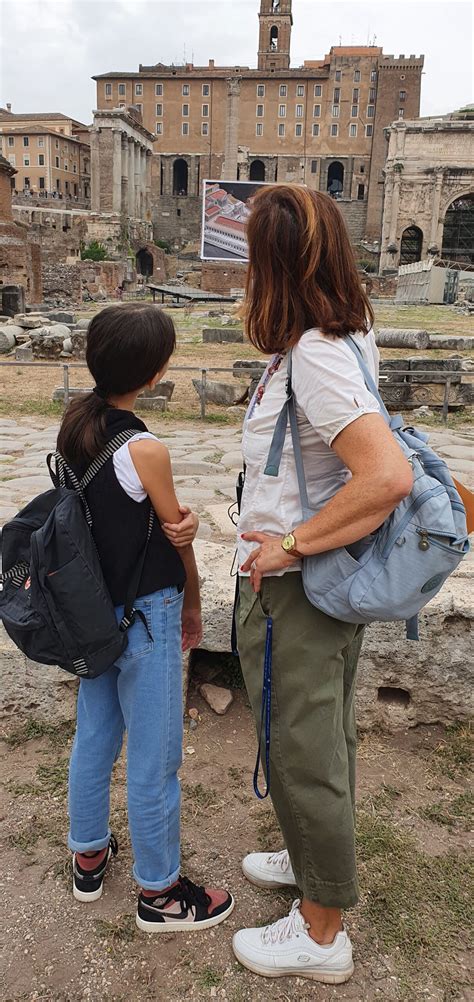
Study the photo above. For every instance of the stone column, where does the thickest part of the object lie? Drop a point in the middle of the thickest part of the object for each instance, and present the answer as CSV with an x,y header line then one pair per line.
x,y
143,183
137,179
148,161
395,200
433,238
117,170
131,179
125,181
95,170
229,171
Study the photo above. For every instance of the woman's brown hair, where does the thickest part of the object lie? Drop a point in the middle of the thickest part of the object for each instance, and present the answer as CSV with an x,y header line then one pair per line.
x,y
302,271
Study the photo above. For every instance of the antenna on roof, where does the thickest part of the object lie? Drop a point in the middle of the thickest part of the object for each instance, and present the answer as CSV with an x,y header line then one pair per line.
x,y
340,39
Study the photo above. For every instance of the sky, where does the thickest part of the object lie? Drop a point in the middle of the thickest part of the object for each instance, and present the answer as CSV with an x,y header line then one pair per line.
x,y
49,49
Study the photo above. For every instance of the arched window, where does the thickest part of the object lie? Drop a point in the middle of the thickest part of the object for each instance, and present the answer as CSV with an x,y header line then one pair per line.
x,y
335,183
274,38
257,171
180,177
144,262
411,244
458,232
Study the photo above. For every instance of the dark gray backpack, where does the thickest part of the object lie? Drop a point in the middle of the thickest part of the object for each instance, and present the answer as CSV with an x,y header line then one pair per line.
x,y
54,602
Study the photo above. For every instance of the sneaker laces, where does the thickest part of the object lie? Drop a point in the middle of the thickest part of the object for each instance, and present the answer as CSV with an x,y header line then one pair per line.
x,y
192,894
280,859
285,928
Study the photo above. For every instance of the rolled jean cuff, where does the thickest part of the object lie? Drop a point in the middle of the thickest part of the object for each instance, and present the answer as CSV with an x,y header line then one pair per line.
x,y
155,885
330,895
96,846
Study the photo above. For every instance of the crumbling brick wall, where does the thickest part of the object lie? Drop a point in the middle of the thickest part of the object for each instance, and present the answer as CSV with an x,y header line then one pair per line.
x,y
221,277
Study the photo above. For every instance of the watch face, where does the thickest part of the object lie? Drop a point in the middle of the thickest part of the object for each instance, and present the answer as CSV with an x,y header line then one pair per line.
x,y
289,542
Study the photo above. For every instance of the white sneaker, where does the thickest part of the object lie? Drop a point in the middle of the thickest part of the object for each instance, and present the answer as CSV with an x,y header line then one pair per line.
x,y
269,870
285,948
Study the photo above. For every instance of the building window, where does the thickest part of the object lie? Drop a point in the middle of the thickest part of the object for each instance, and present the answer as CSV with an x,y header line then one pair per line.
x,y
360,192
314,166
57,144
298,129
41,182
282,111
353,130
27,183
41,141
355,95
401,113
300,90
281,129
26,140
369,131
337,95
362,169
159,128
12,159
159,110
259,129
283,90
108,90
185,129
185,90
372,95
371,111
354,111
338,75
260,90
185,111
56,162
58,184
373,76
66,167
259,111
75,190
299,111
335,111
205,129
205,111
159,90
317,90
316,110
122,90
140,107
356,76
315,130
11,140
205,90
138,89
26,161
74,168
334,130
402,95
41,160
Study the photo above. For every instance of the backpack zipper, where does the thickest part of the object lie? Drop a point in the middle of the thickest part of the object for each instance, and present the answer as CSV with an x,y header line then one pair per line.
x,y
430,492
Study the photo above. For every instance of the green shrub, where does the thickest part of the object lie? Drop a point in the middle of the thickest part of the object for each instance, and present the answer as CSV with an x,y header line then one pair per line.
x,y
94,252
164,244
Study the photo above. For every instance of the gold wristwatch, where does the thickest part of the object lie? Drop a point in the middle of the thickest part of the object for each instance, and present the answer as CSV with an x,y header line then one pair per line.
x,y
288,544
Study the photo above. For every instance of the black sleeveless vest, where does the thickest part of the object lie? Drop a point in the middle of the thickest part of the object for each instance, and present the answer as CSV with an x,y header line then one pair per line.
x,y
119,527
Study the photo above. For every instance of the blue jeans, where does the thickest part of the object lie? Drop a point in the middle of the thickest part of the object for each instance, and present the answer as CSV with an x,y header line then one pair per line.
x,y
142,694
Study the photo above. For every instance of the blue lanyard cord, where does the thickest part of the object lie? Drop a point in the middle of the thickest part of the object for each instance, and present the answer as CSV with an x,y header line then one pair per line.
x,y
265,718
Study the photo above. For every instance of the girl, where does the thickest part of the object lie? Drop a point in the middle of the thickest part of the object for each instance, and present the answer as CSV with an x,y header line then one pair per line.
x,y
304,294
128,350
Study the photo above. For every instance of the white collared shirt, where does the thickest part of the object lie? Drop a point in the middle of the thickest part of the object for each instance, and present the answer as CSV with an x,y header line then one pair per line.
x,y
330,393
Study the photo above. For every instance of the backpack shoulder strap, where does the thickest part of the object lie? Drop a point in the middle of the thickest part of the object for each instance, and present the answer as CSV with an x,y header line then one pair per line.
x,y
107,452
368,379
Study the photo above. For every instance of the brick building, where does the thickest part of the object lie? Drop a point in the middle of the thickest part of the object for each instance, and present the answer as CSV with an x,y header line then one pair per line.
x,y
429,190
50,153
321,123
20,251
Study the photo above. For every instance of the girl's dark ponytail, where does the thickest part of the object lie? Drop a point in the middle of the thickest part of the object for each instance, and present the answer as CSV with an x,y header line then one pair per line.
x,y
127,346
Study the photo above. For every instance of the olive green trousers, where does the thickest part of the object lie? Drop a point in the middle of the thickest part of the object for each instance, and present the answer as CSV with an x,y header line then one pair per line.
x,y
313,730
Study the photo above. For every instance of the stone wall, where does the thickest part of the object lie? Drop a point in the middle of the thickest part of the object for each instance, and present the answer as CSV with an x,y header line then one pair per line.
x,y
62,283
221,277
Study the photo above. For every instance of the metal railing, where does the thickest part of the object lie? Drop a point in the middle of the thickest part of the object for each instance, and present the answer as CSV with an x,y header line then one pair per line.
x,y
249,373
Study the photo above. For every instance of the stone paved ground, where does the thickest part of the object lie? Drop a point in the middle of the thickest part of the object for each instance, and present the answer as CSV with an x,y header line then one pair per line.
x,y
205,462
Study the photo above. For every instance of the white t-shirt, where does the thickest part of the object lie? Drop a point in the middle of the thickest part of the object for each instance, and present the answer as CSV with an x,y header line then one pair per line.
x,y
125,469
330,393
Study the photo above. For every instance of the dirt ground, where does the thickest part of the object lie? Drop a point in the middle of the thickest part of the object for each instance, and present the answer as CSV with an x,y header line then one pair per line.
x,y
410,931
29,390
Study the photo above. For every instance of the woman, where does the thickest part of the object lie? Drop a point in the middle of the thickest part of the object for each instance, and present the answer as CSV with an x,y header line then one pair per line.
x,y
303,293
128,350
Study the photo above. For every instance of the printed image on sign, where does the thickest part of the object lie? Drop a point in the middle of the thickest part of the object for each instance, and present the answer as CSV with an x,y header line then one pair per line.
x,y
225,210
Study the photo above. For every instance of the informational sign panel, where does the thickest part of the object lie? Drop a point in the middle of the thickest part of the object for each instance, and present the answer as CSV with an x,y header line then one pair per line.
x,y
225,210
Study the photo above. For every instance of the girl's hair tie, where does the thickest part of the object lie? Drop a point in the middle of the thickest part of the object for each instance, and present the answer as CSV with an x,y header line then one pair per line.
x,y
99,392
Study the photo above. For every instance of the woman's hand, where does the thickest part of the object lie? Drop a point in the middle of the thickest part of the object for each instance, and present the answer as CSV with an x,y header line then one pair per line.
x,y
267,558
191,621
182,533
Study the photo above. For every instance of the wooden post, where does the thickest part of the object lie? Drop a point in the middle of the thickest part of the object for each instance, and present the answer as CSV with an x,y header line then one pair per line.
x,y
447,387
66,385
203,394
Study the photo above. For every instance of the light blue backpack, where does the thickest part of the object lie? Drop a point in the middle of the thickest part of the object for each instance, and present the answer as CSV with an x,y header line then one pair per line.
x,y
394,572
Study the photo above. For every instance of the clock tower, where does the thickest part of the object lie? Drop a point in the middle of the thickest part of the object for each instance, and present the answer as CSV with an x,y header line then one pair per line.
x,y
275,19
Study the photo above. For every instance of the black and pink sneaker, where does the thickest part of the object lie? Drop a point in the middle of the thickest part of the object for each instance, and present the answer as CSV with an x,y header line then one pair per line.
x,y
184,907
88,872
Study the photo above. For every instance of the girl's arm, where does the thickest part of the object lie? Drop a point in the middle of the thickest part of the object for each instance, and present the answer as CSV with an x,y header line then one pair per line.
x,y
153,465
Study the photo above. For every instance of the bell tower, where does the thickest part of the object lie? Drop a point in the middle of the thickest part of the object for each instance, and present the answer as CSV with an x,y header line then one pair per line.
x,y
275,19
